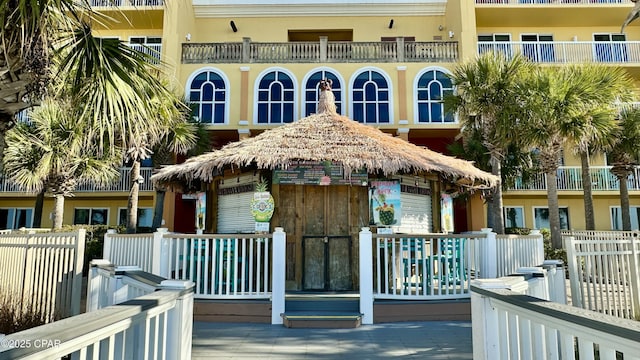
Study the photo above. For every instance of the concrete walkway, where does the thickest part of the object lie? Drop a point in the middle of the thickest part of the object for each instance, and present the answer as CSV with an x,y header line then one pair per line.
x,y
405,340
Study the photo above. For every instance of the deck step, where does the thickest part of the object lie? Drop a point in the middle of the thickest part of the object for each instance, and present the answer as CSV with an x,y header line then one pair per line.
x,y
322,319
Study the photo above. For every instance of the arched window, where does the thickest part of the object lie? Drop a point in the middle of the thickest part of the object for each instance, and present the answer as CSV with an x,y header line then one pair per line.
x,y
432,85
208,96
312,91
371,98
276,98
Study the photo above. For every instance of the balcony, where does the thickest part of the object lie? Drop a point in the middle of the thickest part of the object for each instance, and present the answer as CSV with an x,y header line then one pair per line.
x,y
565,52
123,184
570,179
320,51
153,50
125,3
552,2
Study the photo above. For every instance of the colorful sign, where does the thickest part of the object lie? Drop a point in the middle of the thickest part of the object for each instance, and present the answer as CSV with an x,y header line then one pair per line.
x,y
318,173
446,211
201,210
262,206
384,202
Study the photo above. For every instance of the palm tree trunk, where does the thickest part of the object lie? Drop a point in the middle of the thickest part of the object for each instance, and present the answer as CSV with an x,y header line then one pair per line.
x,y
37,211
498,216
589,216
624,203
132,204
554,209
58,210
158,210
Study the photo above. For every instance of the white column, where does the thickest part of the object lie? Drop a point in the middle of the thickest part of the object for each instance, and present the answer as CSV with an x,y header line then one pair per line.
x,y
106,247
489,261
279,275
96,299
160,253
180,320
366,276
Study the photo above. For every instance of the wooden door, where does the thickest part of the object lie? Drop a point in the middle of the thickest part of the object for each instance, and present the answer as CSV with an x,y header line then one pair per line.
x,y
322,225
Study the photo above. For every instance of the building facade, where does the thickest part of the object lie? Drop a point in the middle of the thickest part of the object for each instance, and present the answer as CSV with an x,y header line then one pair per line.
x,y
250,66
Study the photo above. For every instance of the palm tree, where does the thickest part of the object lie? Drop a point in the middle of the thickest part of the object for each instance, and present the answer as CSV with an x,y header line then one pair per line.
x,y
54,153
624,156
592,130
564,104
487,93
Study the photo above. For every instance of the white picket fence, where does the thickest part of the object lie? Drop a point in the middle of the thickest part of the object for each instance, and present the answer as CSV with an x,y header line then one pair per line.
x,y
509,325
133,315
517,251
603,271
45,268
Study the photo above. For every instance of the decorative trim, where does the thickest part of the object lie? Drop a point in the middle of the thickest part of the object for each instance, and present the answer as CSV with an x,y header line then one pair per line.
x,y
402,68
244,68
403,122
243,122
244,131
239,8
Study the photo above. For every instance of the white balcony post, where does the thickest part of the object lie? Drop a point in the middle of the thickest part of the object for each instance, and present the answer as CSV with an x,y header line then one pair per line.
x,y
489,261
279,275
366,276
180,320
160,253
485,323
106,247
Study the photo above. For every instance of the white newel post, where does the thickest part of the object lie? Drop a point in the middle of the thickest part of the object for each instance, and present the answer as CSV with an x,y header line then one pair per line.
x,y
279,275
635,273
160,255
366,276
485,323
119,290
489,261
180,324
576,289
95,297
106,247
539,243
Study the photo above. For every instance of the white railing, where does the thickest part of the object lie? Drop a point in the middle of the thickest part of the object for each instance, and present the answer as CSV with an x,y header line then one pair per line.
x,y
155,325
222,266
509,325
517,251
122,184
124,3
570,178
45,269
153,50
603,271
562,52
554,2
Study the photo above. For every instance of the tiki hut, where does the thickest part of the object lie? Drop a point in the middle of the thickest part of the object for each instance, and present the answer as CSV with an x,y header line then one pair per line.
x,y
354,159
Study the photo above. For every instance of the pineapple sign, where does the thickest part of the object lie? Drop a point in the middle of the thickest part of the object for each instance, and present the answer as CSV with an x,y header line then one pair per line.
x,y
262,204
385,202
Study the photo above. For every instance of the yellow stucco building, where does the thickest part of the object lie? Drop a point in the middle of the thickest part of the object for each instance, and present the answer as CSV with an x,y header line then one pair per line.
x,y
248,66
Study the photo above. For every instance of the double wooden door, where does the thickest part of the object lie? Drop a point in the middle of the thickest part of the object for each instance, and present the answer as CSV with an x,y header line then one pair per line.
x,y
321,224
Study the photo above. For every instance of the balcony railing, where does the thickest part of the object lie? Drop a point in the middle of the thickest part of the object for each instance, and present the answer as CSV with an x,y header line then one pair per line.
x,y
562,52
124,3
122,184
554,2
153,50
570,178
320,51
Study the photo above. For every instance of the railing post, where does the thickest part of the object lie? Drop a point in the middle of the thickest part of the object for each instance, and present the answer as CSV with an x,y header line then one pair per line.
x,y
324,41
539,244
485,323
119,290
160,253
279,275
180,320
95,296
576,290
106,247
400,49
489,261
635,273
246,50
366,276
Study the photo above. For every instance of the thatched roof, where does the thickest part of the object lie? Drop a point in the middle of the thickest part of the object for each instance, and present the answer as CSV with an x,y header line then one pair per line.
x,y
325,137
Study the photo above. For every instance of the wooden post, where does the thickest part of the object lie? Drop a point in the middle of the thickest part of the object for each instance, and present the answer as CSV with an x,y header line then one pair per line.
x,y
180,320
489,264
278,274
76,291
160,256
366,276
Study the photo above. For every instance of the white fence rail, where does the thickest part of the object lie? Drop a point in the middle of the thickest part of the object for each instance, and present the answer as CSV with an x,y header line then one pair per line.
x,y
517,251
45,268
603,271
509,325
554,2
157,325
